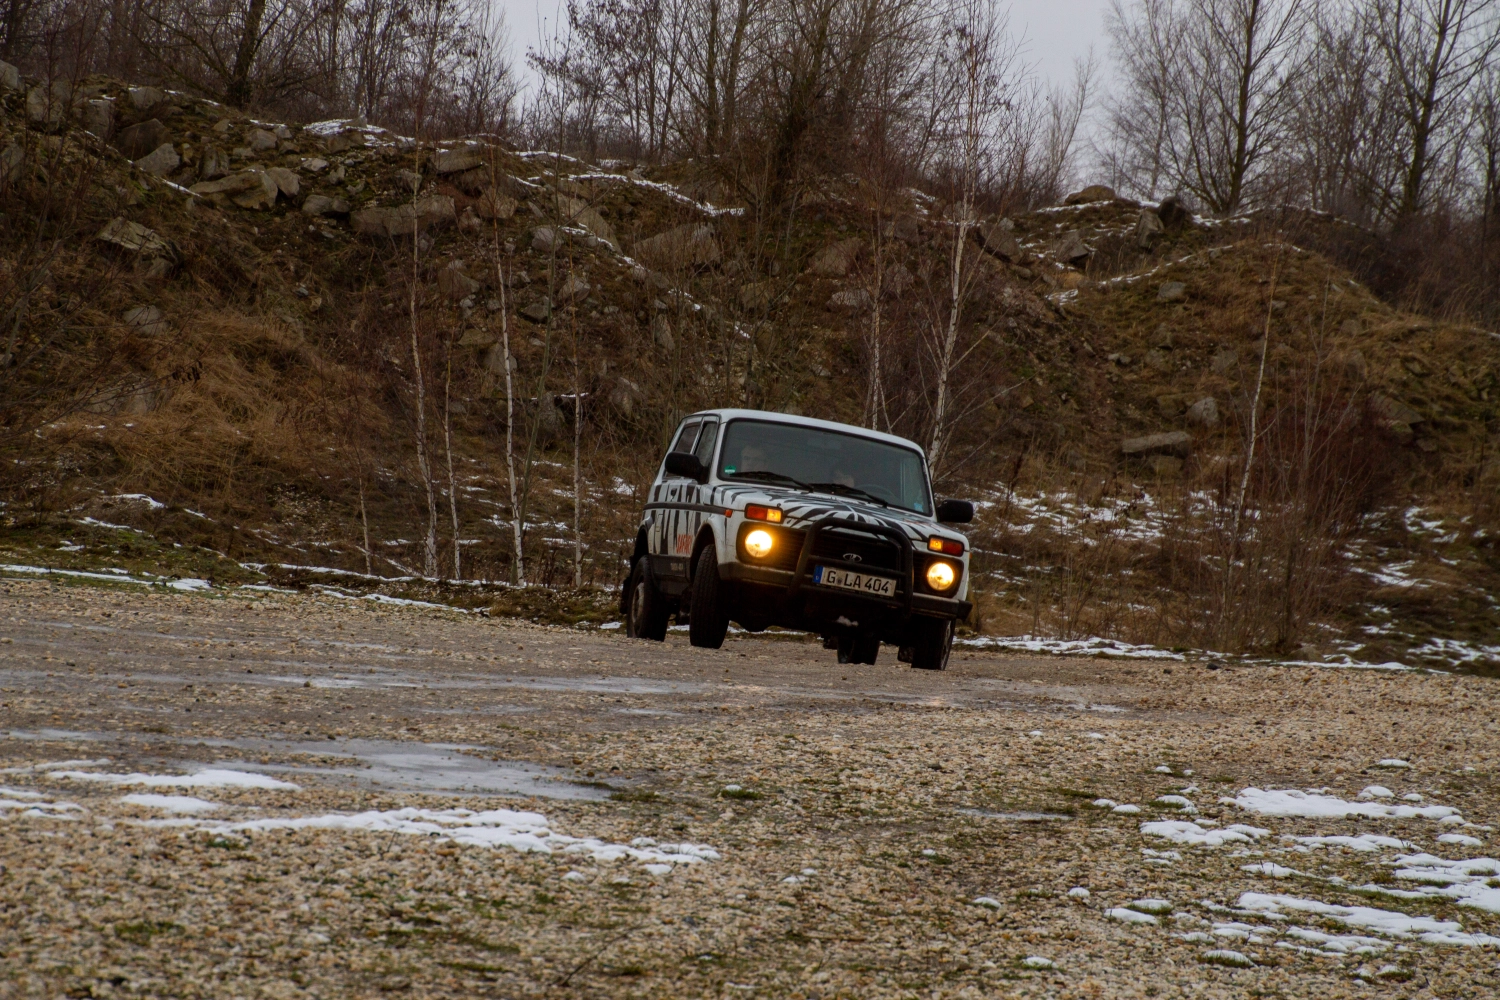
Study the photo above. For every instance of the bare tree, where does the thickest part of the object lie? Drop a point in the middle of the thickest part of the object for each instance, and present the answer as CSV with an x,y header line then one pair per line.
x,y
1435,51
986,66
1219,76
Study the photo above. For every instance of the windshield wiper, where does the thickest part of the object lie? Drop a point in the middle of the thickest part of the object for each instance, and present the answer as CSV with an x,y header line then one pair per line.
x,y
843,489
774,477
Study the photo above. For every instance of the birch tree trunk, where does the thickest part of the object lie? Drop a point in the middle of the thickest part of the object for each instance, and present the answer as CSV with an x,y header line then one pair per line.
x,y
458,573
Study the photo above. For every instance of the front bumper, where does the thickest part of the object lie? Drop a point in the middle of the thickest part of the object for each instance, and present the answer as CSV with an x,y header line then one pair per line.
x,y
792,583
781,580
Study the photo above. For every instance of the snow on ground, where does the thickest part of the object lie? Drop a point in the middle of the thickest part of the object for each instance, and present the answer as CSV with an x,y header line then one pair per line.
x,y
1387,923
1069,647
170,803
1180,831
15,804
1317,804
1466,882
207,778
494,828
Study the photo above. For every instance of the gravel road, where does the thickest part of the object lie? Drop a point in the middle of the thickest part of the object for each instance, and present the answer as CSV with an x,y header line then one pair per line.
x,y
272,795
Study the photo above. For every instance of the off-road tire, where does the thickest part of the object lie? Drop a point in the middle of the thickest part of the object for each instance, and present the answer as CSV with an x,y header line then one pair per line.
x,y
931,641
858,648
645,607
709,621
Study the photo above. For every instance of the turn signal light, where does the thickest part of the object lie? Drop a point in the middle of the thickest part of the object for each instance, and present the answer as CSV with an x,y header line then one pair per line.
x,y
756,512
940,575
759,543
946,546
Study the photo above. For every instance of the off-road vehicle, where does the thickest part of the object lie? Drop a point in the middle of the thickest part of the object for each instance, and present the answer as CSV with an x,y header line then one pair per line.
x,y
770,519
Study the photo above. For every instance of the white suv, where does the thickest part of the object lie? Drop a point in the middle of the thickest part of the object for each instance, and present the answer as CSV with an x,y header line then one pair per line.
x,y
770,519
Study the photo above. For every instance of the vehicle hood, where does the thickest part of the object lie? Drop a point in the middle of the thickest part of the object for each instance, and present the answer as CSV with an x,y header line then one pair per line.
x,y
801,508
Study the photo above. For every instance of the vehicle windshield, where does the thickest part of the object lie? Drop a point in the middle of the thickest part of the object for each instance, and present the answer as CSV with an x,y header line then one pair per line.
x,y
827,461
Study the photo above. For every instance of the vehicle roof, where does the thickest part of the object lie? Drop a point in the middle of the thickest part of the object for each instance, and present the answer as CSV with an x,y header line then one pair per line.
x,y
827,425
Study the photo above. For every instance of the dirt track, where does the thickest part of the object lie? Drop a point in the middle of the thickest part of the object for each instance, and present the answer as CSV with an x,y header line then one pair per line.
x,y
816,830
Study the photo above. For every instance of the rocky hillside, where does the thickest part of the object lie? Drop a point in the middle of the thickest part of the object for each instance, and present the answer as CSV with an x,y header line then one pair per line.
x,y
214,322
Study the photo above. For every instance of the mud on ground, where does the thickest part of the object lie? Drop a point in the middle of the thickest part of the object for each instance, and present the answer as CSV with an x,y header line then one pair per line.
x,y
340,798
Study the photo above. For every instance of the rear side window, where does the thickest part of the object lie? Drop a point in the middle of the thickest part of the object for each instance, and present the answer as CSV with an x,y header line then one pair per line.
x,y
706,439
686,437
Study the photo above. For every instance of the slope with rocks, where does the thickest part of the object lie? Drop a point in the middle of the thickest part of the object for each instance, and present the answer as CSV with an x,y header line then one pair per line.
x,y
216,318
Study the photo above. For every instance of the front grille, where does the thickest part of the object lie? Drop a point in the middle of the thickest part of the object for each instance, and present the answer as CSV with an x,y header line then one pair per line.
x,y
873,551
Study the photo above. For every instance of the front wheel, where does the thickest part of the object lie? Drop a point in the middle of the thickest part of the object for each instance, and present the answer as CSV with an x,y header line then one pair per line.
x,y
931,641
646,608
709,621
860,648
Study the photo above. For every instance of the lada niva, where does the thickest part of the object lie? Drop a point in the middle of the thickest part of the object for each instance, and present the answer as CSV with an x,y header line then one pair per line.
x,y
769,519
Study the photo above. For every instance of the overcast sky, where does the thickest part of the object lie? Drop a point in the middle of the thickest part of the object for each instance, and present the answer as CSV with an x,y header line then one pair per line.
x,y
1056,31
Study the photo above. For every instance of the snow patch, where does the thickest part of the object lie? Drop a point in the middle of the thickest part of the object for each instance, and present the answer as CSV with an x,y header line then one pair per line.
x,y
1181,831
170,803
1387,923
1316,805
208,778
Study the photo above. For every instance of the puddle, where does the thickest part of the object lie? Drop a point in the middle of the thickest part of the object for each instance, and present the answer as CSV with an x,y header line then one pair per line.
x,y
436,768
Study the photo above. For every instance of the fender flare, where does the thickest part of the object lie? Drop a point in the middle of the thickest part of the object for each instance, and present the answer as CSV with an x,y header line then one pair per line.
x,y
705,540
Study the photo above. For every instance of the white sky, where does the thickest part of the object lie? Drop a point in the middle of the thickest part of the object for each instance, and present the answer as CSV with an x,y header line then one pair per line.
x,y
1056,31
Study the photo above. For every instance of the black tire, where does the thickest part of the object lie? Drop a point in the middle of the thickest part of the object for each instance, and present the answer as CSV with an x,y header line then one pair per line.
x,y
645,607
709,621
860,648
931,641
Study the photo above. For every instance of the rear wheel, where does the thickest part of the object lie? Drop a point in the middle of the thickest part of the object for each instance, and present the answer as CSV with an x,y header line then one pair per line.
x,y
861,648
709,621
931,640
646,610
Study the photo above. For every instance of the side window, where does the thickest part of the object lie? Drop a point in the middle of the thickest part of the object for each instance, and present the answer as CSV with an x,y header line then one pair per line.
x,y
706,440
685,437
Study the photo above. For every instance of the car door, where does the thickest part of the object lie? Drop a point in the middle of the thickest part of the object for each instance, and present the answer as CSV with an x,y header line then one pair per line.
x,y
668,490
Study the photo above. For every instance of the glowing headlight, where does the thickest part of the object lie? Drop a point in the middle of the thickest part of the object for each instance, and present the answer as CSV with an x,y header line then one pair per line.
x,y
940,575
759,544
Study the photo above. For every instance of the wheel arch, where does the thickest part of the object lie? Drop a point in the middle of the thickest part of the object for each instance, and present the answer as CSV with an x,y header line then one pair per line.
x,y
706,540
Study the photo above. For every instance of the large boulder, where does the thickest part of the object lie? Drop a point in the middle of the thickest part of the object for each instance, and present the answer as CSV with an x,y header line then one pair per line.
x,y
134,237
454,283
1204,413
261,141
1070,248
999,238
147,319
1173,214
1148,229
492,204
48,106
1178,444
452,161
213,163
402,220
836,260
145,99
141,138
850,300
1091,194
161,161
99,117
693,245
10,77
322,204
247,189
286,180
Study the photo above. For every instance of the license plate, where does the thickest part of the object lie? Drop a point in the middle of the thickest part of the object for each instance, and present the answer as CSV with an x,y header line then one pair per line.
x,y
880,586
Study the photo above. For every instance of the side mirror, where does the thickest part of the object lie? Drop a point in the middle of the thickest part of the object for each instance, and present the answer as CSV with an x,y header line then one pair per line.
x,y
952,511
681,463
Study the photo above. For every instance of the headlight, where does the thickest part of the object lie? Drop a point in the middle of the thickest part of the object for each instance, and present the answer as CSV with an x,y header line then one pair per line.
x,y
940,575
759,544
